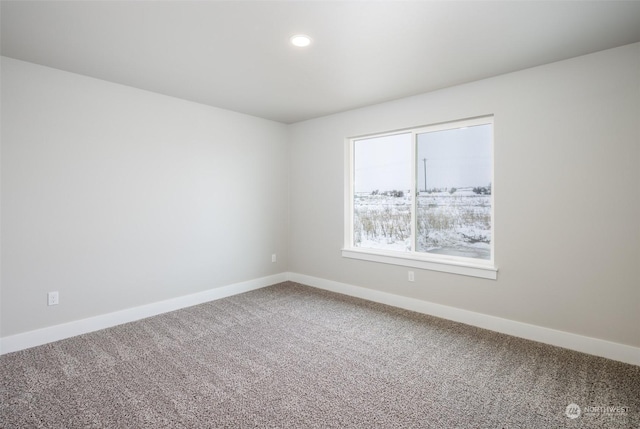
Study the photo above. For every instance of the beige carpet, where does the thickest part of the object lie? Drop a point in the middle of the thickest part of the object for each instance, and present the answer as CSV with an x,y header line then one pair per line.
x,y
290,356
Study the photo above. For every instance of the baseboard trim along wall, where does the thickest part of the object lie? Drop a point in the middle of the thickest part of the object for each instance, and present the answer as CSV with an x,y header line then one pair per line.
x,y
592,346
77,327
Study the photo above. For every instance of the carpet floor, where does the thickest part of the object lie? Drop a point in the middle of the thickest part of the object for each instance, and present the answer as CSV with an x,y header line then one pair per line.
x,y
291,356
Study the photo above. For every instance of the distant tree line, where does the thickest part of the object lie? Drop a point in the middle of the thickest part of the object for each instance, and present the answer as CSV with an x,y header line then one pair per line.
x,y
439,190
394,193
480,190
483,190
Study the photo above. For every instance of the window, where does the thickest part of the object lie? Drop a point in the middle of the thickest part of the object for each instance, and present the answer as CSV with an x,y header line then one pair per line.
x,y
423,198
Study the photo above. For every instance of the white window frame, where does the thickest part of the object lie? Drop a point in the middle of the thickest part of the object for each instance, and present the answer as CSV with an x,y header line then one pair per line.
x,y
428,261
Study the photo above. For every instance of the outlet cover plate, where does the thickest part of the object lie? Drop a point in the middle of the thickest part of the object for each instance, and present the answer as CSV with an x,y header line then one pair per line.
x,y
53,298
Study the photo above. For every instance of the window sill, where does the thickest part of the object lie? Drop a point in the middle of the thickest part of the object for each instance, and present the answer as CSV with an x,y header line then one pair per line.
x,y
414,261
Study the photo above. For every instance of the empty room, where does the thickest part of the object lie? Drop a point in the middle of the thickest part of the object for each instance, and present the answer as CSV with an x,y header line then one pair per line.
x,y
322,214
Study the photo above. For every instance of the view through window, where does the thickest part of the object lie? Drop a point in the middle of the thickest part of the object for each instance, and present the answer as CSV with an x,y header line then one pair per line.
x,y
426,191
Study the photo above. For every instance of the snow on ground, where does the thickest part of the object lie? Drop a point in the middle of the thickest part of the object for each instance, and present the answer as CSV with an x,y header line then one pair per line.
x,y
456,223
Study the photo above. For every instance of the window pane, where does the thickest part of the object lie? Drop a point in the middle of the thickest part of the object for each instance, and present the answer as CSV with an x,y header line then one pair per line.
x,y
382,192
453,208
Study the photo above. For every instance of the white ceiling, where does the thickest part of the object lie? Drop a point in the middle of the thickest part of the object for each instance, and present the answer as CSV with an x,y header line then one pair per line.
x,y
236,55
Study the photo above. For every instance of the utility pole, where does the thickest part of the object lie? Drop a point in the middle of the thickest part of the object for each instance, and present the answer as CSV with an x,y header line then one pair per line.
x,y
425,173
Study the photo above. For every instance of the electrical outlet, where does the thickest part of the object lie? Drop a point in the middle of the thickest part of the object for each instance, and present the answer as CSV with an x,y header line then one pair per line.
x,y
411,277
53,298
274,258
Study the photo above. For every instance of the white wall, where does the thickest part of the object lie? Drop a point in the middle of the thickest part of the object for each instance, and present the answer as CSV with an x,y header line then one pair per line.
x,y
117,197
567,196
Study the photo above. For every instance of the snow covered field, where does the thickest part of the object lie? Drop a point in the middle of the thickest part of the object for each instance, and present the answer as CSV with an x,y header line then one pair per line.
x,y
454,223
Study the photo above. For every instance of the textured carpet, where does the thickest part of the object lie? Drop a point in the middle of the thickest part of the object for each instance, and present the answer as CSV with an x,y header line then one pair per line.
x,y
290,356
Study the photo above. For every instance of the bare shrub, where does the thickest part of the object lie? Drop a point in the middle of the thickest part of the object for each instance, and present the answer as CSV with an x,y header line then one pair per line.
x,y
450,220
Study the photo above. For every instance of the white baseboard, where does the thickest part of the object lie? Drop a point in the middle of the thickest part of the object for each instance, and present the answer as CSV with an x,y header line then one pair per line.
x,y
59,332
593,346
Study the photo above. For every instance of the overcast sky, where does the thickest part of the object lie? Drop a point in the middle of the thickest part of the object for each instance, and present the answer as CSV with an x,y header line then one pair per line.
x,y
455,158
383,163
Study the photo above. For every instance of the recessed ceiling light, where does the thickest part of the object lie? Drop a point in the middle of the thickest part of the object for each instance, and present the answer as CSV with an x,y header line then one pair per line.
x,y
300,40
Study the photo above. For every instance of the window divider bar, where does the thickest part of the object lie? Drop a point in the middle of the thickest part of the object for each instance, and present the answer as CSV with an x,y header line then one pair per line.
x,y
414,192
